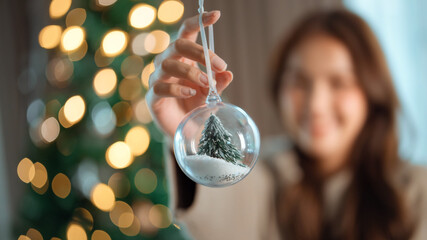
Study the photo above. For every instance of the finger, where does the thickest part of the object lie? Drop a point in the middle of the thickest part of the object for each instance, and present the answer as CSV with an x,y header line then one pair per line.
x,y
175,68
164,89
223,80
190,27
194,51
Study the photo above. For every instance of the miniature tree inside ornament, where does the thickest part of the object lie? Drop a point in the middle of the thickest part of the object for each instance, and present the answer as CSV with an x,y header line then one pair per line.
x,y
216,144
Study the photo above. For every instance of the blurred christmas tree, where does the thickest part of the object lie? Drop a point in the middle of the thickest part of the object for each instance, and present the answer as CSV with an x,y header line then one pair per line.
x,y
96,166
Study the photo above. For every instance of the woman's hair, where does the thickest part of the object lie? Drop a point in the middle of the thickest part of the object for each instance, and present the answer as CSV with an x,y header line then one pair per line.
x,y
373,206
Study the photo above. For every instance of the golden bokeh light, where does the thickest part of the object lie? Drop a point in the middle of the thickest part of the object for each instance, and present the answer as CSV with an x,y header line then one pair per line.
x,y
102,196
157,41
120,184
123,112
138,139
105,3
50,36
23,237
114,43
142,15
104,82
79,53
62,120
145,76
34,234
119,155
137,46
40,176
132,66
83,217
100,235
26,170
41,190
76,232
130,89
49,130
101,60
55,238
59,8
170,11
142,114
76,17
61,185
133,229
146,181
59,71
74,109
160,216
122,215
72,38
142,210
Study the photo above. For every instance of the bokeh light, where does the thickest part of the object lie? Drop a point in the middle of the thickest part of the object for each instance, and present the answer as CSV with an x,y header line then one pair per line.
x,y
102,196
142,210
132,66
34,234
145,76
79,53
49,130
101,60
76,232
100,235
114,43
83,217
157,41
50,36
123,112
35,112
122,215
146,181
59,71
59,8
160,216
141,112
72,38
138,139
26,170
76,17
170,11
120,184
103,118
119,155
142,15
104,82
61,185
23,237
133,229
105,3
40,176
130,89
74,109
138,47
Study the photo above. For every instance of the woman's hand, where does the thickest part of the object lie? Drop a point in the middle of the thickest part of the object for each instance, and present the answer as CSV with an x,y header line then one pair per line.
x,y
177,85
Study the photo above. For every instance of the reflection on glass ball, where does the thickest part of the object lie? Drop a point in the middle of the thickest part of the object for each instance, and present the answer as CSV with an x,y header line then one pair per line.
x,y
217,144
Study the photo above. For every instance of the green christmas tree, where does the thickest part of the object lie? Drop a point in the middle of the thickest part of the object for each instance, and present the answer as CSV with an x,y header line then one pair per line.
x,y
216,141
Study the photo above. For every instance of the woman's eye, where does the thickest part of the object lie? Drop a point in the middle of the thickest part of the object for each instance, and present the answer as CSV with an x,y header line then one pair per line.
x,y
338,83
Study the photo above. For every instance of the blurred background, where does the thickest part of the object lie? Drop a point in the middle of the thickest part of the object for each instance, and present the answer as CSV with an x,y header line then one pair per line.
x,y
80,157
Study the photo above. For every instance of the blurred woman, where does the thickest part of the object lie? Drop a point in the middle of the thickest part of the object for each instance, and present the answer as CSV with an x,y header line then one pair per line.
x,y
340,176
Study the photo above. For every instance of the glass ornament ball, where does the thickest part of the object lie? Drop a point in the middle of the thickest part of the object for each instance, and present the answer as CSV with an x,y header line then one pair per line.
x,y
217,144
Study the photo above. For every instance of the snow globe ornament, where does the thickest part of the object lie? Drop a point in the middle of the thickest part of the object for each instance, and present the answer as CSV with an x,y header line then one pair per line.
x,y
217,144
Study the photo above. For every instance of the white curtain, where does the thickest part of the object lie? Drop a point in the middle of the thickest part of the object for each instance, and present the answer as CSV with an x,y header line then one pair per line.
x,y
402,30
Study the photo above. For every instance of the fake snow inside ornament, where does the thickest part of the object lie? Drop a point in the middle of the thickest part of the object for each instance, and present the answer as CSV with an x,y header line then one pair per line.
x,y
217,144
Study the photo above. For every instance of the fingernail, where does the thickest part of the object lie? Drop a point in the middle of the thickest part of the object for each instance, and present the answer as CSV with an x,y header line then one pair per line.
x,y
204,79
218,63
188,92
208,16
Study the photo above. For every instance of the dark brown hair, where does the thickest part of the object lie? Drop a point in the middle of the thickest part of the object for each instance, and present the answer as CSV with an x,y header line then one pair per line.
x,y
374,207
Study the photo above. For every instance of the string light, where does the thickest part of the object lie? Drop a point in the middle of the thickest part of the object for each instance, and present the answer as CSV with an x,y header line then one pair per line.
x,y
72,38
34,234
105,3
59,8
49,130
114,43
76,17
119,155
156,41
100,235
76,232
102,196
138,139
130,89
146,181
61,185
142,15
122,215
26,170
74,109
104,82
50,36
160,216
145,75
170,11
40,176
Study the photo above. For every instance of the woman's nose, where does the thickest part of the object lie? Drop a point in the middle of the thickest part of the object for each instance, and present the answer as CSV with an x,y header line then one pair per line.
x,y
318,99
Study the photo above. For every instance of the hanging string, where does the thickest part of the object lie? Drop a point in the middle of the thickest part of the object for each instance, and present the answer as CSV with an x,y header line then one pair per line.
x,y
212,88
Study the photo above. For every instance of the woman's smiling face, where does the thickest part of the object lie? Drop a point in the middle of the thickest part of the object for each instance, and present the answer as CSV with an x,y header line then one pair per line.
x,y
322,104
